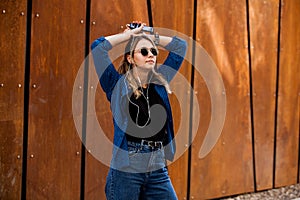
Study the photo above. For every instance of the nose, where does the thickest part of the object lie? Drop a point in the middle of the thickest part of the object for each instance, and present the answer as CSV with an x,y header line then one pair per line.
x,y
150,54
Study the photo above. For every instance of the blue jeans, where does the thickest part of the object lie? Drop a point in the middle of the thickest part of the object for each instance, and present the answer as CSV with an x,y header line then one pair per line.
x,y
148,178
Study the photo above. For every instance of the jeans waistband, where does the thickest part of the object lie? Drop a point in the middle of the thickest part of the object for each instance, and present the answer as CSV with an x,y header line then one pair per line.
x,y
147,143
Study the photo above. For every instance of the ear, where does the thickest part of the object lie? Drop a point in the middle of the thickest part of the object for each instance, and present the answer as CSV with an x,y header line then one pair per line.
x,y
128,57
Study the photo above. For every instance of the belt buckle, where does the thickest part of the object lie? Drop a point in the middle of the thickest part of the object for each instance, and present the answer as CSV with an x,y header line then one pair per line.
x,y
149,143
158,144
152,144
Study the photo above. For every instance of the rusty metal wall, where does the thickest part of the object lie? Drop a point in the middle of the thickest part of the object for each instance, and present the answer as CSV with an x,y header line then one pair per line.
x,y
12,84
255,45
228,169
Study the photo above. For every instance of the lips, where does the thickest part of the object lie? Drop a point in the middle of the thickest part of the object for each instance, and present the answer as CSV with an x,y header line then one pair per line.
x,y
150,61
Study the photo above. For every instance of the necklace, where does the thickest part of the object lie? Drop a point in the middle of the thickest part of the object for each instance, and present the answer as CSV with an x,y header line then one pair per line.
x,y
148,108
138,108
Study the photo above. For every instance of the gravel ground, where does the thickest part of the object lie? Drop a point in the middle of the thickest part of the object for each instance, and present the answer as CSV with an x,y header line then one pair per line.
x,y
284,193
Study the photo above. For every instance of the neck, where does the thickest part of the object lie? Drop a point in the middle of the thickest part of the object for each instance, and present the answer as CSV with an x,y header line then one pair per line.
x,y
142,75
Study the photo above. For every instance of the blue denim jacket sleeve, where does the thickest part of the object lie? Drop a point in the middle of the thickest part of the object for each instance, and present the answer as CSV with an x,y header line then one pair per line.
x,y
177,50
108,76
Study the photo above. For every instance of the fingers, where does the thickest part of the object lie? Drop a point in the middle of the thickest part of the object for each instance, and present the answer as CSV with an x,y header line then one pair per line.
x,y
139,24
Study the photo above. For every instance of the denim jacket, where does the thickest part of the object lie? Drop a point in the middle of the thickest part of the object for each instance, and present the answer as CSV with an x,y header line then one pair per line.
x,y
113,84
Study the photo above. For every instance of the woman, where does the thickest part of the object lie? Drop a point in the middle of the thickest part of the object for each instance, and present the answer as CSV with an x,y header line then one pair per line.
x,y
143,125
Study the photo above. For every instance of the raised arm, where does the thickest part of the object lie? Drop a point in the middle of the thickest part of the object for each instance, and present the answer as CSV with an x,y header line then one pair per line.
x,y
177,50
107,74
122,37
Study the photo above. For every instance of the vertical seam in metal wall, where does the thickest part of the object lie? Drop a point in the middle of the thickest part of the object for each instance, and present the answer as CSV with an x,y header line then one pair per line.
x,y
26,99
251,96
188,192
298,173
149,7
277,88
85,99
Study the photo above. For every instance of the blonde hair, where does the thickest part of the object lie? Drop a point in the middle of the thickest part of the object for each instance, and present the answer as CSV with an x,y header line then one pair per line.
x,y
126,67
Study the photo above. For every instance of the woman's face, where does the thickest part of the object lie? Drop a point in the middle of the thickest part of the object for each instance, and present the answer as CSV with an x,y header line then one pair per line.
x,y
145,61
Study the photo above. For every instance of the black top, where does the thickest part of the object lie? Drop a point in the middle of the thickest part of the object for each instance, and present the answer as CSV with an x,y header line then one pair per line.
x,y
140,106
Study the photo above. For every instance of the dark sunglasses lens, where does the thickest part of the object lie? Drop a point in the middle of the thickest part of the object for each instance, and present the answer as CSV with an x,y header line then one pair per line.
x,y
153,51
144,52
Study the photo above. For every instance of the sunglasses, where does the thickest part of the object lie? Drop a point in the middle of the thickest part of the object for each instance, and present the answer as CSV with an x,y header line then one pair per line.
x,y
144,51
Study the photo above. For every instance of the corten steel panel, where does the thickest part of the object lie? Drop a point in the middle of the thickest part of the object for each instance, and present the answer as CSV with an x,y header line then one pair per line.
x,y
12,51
228,168
107,18
263,17
178,16
57,50
287,140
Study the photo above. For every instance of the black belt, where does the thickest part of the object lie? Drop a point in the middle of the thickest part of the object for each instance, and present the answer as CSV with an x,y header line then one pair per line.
x,y
153,144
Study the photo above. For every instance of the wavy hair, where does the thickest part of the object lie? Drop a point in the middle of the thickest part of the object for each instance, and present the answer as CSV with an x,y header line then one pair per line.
x,y
126,67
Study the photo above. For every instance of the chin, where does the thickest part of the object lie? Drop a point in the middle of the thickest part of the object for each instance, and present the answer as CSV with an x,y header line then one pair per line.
x,y
151,67
147,66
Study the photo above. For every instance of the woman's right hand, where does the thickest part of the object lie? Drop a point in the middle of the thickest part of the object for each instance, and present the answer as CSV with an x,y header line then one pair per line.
x,y
127,33
134,31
